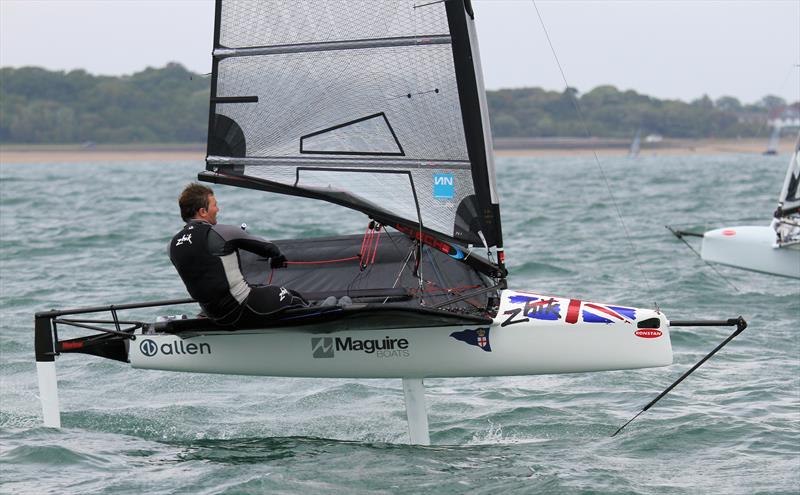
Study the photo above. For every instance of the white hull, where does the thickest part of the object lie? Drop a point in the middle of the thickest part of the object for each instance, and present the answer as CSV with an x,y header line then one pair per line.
x,y
558,335
751,248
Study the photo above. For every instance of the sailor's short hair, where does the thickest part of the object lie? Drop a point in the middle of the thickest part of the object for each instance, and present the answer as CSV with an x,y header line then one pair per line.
x,y
193,197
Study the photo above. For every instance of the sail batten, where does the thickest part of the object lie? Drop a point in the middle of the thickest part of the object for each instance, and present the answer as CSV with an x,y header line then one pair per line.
x,y
331,46
408,163
385,96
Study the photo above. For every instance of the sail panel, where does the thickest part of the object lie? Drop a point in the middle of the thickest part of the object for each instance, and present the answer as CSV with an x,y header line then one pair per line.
x,y
362,103
439,192
248,23
789,199
300,94
370,135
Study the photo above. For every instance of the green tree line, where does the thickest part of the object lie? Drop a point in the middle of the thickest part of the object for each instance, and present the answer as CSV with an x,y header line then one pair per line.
x,y
153,106
609,112
170,104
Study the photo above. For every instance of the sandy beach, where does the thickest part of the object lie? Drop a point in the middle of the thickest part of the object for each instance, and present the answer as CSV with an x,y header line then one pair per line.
x,y
577,147
106,153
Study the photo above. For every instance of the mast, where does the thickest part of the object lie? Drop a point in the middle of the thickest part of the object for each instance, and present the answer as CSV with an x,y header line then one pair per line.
x,y
475,114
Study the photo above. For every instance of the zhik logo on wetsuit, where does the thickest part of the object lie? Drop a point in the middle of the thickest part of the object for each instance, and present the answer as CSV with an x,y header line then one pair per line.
x,y
149,348
184,238
325,347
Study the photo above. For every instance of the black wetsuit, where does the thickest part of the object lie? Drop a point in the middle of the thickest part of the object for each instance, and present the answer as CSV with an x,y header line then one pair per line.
x,y
207,259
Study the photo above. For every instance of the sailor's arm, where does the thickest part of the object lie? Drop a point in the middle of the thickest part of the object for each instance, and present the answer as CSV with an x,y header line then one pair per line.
x,y
234,237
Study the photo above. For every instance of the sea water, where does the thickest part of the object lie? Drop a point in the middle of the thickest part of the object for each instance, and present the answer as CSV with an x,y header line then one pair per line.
x,y
96,233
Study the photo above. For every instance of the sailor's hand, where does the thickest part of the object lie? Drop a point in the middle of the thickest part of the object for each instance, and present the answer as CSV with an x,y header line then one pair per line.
x,y
278,261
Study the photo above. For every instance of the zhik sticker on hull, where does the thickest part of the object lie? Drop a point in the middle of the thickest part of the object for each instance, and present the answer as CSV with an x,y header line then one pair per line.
x,y
537,308
549,309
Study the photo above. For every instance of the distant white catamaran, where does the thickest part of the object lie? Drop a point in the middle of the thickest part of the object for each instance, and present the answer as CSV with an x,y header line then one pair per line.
x,y
772,249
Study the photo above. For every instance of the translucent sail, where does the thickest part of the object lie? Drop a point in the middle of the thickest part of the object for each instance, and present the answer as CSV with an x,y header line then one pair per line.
x,y
635,145
774,140
789,200
375,105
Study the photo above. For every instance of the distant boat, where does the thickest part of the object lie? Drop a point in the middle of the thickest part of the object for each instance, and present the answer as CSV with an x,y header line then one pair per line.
x,y
635,145
772,249
774,139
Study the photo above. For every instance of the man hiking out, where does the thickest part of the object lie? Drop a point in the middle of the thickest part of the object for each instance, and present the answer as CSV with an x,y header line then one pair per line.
x,y
206,255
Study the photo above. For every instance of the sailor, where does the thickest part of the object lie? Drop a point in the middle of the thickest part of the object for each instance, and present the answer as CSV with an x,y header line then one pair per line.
x,y
206,255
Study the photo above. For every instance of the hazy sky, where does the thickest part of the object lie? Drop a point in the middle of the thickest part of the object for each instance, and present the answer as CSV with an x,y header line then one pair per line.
x,y
668,49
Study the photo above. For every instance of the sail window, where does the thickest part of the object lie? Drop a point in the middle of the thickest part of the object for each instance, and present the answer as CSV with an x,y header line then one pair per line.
x,y
370,135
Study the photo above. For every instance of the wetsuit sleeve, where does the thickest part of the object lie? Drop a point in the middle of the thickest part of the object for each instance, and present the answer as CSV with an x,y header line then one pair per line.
x,y
233,237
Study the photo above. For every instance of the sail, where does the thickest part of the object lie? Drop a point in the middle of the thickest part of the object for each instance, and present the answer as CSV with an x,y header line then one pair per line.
x,y
789,200
774,139
375,105
635,145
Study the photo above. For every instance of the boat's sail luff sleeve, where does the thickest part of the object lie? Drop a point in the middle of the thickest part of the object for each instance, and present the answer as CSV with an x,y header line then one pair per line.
x,y
359,98
789,200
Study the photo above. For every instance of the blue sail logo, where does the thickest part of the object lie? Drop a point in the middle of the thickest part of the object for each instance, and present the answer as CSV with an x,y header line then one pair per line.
x,y
443,186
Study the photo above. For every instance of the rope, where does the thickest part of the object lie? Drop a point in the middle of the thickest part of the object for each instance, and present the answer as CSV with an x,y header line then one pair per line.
x,y
375,251
367,253
369,244
679,235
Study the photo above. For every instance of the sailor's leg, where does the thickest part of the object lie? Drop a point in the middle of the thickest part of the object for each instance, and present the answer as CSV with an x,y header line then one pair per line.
x,y
414,391
48,393
268,299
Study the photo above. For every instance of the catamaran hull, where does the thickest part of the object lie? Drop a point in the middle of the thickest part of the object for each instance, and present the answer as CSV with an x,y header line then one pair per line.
x,y
751,248
532,334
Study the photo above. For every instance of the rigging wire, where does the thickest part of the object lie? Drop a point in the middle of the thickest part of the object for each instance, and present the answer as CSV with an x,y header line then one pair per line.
x,y
582,119
679,234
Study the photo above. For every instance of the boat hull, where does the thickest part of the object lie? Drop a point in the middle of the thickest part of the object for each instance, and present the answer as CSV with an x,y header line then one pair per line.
x,y
532,334
751,248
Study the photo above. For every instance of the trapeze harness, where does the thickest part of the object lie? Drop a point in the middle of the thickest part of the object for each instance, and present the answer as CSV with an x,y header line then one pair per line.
x,y
207,259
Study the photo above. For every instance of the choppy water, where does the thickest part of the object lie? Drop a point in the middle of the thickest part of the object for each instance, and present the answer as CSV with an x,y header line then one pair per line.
x,y
84,234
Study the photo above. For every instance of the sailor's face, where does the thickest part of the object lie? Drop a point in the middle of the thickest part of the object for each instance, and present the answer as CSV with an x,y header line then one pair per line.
x,y
210,214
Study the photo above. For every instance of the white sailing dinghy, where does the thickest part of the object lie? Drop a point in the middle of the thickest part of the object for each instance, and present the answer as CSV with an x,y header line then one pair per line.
x,y
377,106
636,144
773,249
774,140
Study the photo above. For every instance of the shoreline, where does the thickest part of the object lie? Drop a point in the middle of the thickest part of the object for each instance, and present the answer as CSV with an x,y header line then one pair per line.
x,y
504,148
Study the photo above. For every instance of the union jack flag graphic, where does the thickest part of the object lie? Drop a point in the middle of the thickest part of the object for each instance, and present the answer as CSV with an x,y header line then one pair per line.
x,y
598,313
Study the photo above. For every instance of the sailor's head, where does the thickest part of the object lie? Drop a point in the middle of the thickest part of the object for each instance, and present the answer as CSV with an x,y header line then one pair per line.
x,y
197,202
